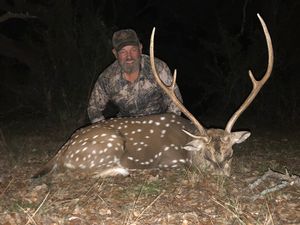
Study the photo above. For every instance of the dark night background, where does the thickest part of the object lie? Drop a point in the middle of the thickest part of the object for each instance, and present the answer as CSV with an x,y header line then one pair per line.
x,y
51,52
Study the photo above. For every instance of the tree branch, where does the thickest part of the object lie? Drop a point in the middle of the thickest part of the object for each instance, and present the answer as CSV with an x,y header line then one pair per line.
x,y
285,180
10,15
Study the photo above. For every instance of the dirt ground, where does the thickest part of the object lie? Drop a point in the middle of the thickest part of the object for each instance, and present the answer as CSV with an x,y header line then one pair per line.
x,y
147,197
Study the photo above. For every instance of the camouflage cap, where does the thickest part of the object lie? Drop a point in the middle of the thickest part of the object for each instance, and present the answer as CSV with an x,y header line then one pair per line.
x,y
124,37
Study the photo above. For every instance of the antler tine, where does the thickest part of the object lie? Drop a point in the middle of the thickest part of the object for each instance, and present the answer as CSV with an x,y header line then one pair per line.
x,y
169,90
256,84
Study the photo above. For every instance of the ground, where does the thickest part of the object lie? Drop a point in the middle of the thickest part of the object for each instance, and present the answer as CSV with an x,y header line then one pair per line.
x,y
145,197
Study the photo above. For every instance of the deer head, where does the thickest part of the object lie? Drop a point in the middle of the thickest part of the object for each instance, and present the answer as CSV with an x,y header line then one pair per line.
x,y
212,148
116,146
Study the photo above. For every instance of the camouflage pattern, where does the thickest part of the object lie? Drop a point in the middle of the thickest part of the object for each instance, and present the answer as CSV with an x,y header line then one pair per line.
x,y
142,97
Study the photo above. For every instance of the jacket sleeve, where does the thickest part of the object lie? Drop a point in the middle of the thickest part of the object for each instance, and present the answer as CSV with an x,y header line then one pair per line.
x,y
167,78
97,102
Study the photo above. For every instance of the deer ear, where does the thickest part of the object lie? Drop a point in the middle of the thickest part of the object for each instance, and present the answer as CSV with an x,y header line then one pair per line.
x,y
195,145
239,136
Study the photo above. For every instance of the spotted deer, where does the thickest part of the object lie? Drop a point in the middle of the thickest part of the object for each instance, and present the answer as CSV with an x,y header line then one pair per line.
x,y
119,145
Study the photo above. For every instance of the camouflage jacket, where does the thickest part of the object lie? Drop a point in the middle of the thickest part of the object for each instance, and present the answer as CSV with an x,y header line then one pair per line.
x,y
142,97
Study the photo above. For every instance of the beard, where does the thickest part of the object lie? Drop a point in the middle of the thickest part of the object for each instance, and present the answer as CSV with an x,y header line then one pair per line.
x,y
131,67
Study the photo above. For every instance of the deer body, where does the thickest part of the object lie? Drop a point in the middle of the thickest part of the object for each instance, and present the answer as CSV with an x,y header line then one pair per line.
x,y
162,141
115,146
112,147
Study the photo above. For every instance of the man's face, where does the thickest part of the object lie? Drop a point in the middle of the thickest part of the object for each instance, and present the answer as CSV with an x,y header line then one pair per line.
x,y
129,58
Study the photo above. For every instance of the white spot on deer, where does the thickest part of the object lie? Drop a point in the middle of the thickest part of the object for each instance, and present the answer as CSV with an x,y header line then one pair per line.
x,y
147,163
135,143
86,139
133,132
136,160
139,130
162,118
73,143
174,161
145,145
76,136
125,126
131,139
92,164
105,150
112,125
151,131
82,166
132,122
141,142
167,125
69,165
94,142
166,165
89,155
160,153
114,136
163,131
150,121
111,139
174,165
151,160
166,148
94,152
147,137
95,136
126,133
109,145
139,149
157,123
178,122
145,121
101,160
77,151
119,128
116,148
84,158
173,116
84,143
72,155
130,158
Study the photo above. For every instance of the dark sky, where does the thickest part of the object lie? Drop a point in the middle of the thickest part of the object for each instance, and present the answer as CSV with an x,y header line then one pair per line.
x,y
211,43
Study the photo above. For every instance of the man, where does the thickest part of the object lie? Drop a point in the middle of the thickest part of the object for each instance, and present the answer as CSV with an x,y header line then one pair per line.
x,y
129,82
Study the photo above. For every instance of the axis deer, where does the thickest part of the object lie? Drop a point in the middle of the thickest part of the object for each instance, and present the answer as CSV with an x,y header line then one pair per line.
x,y
116,146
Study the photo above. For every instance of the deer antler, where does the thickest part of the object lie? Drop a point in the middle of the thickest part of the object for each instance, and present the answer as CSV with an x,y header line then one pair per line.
x,y
169,90
256,84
